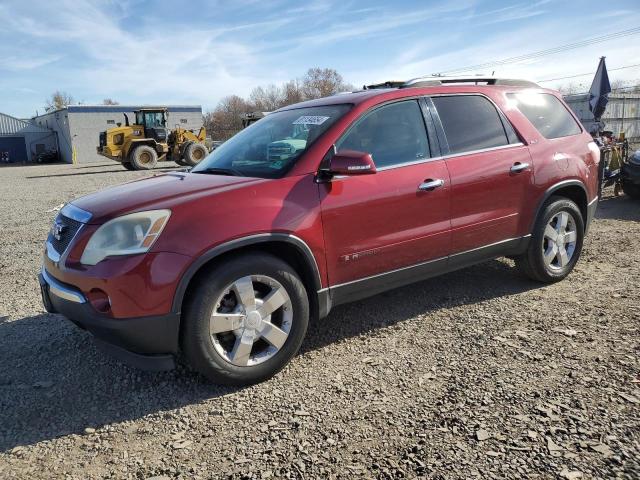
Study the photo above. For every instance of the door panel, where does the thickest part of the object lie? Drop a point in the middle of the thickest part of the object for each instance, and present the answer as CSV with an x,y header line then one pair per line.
x,y
381,222
487,197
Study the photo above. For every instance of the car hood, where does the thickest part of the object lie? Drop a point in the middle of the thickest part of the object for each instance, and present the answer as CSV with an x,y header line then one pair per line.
x,y
160,191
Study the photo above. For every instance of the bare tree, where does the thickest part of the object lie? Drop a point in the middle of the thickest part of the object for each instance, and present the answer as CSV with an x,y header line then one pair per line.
x,y
110,101
292,92
571,89
58,100
226,119
266,99
322,82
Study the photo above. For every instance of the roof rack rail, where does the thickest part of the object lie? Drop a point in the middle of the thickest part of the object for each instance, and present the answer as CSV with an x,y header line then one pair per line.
x,y
439,80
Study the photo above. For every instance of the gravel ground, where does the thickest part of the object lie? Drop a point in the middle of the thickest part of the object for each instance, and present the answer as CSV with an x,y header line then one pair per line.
x,y
478,373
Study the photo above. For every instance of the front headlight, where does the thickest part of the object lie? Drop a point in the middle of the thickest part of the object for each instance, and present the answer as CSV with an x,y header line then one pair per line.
x,y
126,235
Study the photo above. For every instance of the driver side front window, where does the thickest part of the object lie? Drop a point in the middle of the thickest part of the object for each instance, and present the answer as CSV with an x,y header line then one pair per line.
x,y
393,134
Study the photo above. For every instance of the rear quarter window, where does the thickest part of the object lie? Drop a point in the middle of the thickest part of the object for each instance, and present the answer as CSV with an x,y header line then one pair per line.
x,y
546,113
470,123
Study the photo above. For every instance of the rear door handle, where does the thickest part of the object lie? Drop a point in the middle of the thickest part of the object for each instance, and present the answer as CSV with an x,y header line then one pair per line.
x,y
430,184
519,167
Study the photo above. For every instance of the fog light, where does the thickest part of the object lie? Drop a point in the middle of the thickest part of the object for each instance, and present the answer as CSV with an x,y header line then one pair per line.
x,y
99,300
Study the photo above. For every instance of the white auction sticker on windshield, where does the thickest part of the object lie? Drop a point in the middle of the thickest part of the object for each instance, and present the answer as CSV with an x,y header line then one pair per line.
x,y
311,120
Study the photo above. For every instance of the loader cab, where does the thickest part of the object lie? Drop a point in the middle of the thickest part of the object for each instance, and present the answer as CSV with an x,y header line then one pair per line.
x,y
154,122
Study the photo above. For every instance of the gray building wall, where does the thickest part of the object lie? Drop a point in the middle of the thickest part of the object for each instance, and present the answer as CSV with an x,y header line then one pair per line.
x,y
622,113
58,121
36,139
79,126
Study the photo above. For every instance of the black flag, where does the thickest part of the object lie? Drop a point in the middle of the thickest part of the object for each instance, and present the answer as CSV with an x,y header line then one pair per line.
x,y
599,91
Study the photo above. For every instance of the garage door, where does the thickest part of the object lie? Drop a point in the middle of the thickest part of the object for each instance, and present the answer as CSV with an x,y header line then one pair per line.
x,y
15,147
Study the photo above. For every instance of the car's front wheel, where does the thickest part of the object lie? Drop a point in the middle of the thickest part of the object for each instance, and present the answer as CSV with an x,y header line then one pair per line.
x,y
556,242
244,319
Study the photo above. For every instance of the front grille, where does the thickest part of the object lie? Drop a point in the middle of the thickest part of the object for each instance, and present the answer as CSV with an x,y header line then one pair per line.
x,y
67,228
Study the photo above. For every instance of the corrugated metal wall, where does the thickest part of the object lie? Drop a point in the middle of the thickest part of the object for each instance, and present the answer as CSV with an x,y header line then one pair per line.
x,y
23,140
622,113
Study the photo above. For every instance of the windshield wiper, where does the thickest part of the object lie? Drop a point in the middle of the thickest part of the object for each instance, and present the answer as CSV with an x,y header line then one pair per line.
x,y
221,171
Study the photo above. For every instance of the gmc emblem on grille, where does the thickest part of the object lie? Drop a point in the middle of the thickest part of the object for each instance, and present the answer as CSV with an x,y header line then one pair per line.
x,y
57,230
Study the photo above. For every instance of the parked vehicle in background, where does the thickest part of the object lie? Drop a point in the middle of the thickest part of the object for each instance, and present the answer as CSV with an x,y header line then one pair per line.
x,y
140,146
318,204
49,156
252,117
630,176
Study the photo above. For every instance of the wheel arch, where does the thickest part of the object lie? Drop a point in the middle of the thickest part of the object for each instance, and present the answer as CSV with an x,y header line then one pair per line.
x,y
287,247
574,190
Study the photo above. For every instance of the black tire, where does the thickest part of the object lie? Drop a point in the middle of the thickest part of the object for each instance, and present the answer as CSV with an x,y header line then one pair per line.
x,y
181,162
532,262
194,153
143,157
196,340
128,166
631,189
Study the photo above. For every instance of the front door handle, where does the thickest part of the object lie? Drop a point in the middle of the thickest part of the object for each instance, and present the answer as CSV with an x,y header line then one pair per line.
x,y
430,184
519,167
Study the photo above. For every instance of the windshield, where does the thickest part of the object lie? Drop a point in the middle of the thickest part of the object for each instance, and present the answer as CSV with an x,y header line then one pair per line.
x,y
268,148
150,119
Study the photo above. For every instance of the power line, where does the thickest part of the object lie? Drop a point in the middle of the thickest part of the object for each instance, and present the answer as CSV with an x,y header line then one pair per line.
x,y
549,51
589,73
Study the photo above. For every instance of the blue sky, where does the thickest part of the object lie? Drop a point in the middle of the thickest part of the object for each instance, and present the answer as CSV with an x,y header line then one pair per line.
x,y
197,52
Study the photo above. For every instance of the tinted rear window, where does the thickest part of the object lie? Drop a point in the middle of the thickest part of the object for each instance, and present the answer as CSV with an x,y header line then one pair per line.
x,y
550,117
470,122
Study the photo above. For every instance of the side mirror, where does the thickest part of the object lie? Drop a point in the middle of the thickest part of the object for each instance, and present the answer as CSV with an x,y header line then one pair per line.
x,y
351,162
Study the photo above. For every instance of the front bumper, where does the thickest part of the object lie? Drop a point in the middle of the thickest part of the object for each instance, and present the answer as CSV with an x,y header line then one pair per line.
x,y
149,343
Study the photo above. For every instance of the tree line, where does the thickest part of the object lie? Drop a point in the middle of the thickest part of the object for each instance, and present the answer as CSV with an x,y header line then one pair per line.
x,y
226,118
60,99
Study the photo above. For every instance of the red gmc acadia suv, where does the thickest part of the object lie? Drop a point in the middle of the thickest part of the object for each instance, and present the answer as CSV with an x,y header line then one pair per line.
x,y
317,204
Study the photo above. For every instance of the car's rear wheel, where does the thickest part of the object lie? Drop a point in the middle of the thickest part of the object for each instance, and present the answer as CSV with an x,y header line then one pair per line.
x,y
244,319
556,242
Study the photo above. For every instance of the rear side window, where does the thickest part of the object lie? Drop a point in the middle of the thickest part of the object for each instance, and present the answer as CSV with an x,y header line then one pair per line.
x,y
470,122
393,134
550,117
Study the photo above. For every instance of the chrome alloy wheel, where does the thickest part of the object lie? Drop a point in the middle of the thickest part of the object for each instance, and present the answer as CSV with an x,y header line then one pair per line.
x,y
559,240
251,320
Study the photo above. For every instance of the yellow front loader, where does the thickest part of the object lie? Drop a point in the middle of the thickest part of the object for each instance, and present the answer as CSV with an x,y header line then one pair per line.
x,y
141,145
185,147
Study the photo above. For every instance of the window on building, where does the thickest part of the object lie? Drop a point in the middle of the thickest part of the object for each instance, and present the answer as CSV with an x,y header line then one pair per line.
x,y
550,117
470,122
111,122
183,120
393,134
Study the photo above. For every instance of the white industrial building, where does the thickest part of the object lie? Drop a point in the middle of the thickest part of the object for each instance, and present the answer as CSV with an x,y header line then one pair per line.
x,y
22,141
78,126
